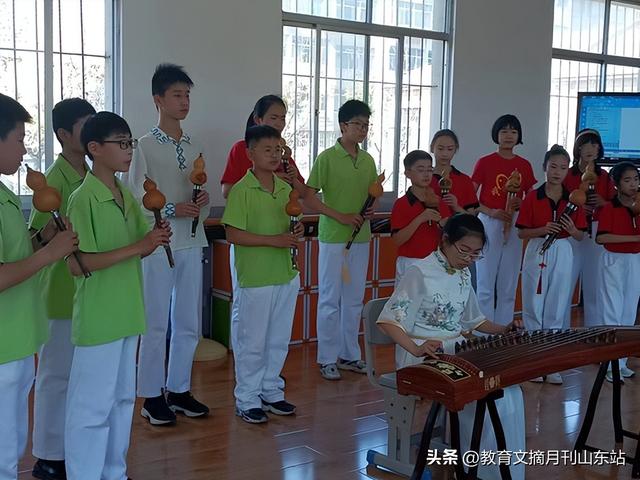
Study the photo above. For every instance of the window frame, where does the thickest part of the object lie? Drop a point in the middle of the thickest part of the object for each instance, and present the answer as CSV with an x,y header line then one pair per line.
x,y
602,58
368,29
113,12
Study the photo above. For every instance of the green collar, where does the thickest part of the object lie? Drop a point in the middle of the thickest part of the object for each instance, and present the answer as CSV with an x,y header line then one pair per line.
x,y
278,183
69,173
102,193
7,196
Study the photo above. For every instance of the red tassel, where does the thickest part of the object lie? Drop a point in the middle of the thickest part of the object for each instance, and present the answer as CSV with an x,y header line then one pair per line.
x,y
539,290
542,265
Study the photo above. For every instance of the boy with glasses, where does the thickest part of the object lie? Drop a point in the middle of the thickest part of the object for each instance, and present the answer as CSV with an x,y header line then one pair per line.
x,y
343,173
108,307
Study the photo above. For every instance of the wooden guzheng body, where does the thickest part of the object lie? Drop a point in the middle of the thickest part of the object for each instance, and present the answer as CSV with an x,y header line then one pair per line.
x,y
486,364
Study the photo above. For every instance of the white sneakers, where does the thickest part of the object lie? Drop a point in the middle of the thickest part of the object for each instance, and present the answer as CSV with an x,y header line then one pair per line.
x,y
552,378
330,371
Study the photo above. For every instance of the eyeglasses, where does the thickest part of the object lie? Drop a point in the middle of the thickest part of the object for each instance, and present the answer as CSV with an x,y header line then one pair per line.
x,y
124,144
422,170
468,255
360,125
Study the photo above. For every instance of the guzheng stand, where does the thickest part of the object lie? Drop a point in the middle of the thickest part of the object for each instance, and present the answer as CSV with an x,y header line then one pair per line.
x,y
619,432
485,365
487,403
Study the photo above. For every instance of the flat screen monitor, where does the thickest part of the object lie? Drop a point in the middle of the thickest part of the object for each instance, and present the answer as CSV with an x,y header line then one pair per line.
x,y
617,117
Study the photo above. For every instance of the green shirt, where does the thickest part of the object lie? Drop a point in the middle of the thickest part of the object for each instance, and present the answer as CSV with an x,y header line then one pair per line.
x,y
23,323
253,209
109,304
57,280
344,183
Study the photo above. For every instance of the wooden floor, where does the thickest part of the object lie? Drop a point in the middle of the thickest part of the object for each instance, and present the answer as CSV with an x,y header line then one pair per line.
x,y
337,422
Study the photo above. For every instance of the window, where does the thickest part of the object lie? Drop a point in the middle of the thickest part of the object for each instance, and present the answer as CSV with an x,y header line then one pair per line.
x,y
397,68
596,49
419,14
415,58
354,10
80,50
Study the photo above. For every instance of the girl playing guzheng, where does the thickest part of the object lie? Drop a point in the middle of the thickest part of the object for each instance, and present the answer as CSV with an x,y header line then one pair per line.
x,y
430,310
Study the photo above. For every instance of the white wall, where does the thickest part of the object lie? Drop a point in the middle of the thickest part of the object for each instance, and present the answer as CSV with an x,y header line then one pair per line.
x,y
230,48
502,64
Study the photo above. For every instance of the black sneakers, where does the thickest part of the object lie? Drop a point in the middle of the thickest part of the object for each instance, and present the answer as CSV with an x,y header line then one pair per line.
x,y
279,408
49,470
157,411
253,415
185,403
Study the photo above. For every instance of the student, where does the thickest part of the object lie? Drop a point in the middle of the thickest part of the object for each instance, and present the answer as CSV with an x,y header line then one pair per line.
x,y
588,151
54,358
431,308
269,110
546,289
462,195
272,111
166,155
415,227
619,232
343,173
497,272
108,307
257,225
23,318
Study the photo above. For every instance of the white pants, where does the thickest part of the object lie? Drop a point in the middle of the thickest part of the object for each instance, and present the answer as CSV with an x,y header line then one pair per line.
x,y
339,303
402,264
497,272
52,379
510,409
174,294
586,258
619,289
262,341
102,391
16,380
547,309
234,292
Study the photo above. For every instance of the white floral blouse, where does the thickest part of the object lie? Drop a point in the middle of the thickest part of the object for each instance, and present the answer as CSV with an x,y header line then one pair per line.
x,y
433,301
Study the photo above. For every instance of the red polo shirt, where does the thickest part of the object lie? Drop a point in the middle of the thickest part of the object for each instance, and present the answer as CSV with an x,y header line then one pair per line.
x,y
426,238
238,163
537,210
461,186
492,172
604,186
617,219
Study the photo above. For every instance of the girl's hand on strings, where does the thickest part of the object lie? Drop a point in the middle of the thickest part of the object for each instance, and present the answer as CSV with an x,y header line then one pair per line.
x,y
430,348
517,324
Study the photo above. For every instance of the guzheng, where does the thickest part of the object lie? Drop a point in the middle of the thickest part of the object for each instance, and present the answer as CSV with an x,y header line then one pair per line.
x,y
486,364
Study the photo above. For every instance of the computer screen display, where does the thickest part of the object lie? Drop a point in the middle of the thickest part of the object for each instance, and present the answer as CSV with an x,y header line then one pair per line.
x,y
617,117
